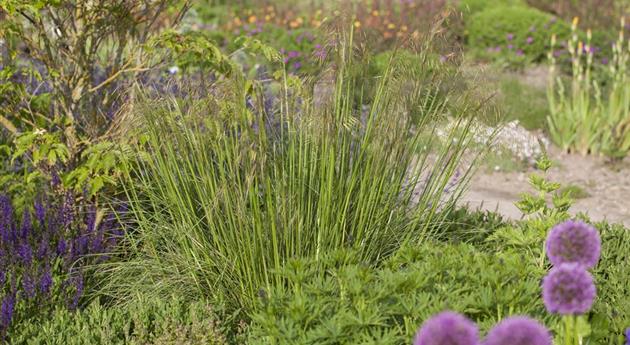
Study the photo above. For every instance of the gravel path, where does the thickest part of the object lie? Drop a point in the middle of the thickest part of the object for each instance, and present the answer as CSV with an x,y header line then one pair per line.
x,y
608,188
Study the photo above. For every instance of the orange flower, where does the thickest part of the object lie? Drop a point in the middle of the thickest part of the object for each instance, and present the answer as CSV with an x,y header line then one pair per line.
x,y
375,13
251,19
357,24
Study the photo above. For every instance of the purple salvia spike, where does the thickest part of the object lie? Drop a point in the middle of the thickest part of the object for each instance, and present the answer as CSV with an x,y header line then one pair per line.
x,y
27,225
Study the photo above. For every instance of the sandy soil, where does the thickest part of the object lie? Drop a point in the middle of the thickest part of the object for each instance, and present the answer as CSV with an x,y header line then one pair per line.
x,y
608,188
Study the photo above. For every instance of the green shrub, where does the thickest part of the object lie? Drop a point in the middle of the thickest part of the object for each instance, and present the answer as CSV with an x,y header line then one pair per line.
x,y
169,321
517,33
470,7
356,304
226,194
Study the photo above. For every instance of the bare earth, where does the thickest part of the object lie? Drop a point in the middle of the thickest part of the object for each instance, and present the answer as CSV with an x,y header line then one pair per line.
x,y
608,188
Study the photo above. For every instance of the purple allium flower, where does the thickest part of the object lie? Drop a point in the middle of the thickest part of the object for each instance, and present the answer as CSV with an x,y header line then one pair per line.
x,y
573,241
510,46
530,40
628,336
518,330
519,52
447,328
293,54
604,61
568,289
510,37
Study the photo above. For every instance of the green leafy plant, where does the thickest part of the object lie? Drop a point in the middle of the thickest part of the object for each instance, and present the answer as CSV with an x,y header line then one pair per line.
x,y
143,321
515,35
353,303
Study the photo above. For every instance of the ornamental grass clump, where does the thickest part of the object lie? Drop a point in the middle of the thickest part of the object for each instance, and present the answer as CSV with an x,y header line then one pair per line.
x,y
448,328
227,189
519,330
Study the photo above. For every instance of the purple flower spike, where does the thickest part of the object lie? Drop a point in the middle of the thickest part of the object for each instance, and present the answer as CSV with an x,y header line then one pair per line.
x,y
46,281
519,330
574,242
27,225
568,289
447,328
6,311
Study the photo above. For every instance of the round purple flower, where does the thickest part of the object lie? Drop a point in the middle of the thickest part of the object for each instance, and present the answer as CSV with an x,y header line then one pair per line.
x,y
628,336
519,330
510,37
574,242
568,289
447,328
530,40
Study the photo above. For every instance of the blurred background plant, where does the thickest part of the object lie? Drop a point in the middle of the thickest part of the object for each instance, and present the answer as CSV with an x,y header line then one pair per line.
x,y
591,116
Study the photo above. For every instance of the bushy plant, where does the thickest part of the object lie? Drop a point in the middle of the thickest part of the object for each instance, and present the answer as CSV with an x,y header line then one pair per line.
x,y
515,34
44,252
471,7
142,321
230,189
354,303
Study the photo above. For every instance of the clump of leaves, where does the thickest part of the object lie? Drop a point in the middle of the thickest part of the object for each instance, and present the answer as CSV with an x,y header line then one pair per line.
x,y
543,209
353,303
143,321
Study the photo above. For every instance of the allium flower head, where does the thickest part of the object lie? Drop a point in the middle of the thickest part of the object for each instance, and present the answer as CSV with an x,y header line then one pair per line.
x,y
519,330
628,336
447,328
568,289
573,242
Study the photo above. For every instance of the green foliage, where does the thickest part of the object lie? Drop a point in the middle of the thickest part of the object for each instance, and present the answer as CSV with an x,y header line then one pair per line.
x,y
227,194
357,304
514,34
168,321
588,117
523,102
471,7
194,49
44,157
